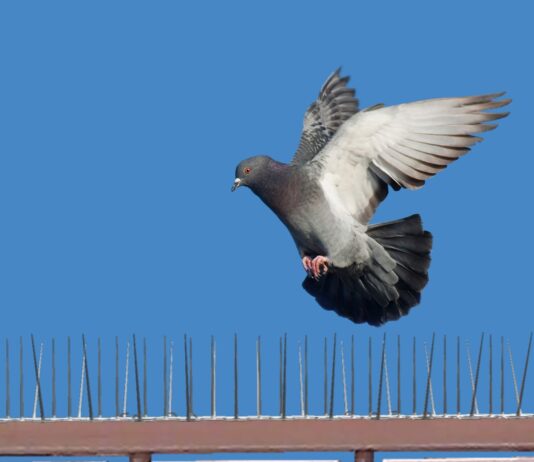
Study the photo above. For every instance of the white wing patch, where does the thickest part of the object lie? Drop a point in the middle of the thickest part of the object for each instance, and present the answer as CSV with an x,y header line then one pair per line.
x,y
407,144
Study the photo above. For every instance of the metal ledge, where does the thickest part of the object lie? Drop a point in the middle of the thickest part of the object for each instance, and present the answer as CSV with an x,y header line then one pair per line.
x,y
107,437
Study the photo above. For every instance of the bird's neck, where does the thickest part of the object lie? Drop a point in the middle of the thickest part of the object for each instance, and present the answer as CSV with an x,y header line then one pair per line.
x,y
274,188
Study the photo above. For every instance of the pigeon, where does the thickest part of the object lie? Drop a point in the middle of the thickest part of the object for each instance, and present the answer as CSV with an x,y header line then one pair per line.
x,y
346,162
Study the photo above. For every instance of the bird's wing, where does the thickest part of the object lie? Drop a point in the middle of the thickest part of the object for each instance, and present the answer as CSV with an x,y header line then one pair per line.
x,y
336,103
402,145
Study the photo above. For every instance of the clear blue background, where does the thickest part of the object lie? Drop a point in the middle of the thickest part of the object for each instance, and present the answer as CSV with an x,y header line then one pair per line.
x,y
120,127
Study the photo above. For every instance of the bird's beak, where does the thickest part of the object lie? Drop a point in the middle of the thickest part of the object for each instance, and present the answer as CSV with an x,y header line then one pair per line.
x,y
236,184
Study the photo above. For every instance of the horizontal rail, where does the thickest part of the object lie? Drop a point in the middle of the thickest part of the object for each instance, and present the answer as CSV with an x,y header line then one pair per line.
x,y
123,437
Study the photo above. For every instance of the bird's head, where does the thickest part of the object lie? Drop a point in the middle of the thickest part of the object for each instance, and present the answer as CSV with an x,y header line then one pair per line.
x,y
250,171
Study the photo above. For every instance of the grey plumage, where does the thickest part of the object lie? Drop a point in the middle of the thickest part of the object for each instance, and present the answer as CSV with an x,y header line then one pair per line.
x,y
339,175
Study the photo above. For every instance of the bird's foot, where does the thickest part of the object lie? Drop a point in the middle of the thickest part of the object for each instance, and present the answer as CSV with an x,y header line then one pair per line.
x,y
316,267
307,264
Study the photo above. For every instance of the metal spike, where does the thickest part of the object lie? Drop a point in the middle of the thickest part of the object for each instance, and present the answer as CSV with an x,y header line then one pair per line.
x,y
258,376
473,401
187,400
213,377
165,410
117,377
137,387
444,375
370,378
37,379
471,375
398,375
190,351
344,379
21,378
306,375
514,377
490,391
168,412
388,390
69,378
414,377
280,378
301,381
518,412
502,375
53,377
352,376
432,403
458,375
236,382
145,379
429,377
99,376
126,377
8,394
284,389
325,381
380,378
87,381
82,380
332,381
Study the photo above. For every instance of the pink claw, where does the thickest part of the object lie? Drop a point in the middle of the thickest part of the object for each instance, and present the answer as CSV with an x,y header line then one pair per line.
x,y
320,266
307,264
316,267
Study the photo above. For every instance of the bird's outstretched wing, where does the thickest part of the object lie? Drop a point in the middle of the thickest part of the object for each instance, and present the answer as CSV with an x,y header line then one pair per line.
x,y
402,145
336,103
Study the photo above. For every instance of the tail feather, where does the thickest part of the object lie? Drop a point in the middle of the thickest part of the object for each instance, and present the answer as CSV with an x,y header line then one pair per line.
x,y
389,285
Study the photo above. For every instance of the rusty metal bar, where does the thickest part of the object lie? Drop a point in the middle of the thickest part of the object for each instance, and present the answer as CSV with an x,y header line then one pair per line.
x,y
120,437
364,456
518,412
325,384
69,378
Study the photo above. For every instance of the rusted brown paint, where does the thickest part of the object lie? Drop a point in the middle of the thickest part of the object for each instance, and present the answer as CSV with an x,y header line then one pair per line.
x,y
264,435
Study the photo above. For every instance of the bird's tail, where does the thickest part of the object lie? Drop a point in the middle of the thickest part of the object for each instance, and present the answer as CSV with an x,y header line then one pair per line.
x,y
390,285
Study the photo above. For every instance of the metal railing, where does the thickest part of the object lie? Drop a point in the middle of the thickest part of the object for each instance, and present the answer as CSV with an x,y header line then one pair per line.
x,y
439,377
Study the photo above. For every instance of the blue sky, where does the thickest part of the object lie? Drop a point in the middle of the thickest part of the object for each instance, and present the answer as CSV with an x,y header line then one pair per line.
x,y
121,126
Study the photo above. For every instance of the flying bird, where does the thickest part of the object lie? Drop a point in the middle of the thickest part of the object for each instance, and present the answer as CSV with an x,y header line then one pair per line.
x,y
345,163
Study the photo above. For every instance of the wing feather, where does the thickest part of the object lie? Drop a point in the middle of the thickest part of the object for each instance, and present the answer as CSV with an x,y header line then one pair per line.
x,y
402,145
336,103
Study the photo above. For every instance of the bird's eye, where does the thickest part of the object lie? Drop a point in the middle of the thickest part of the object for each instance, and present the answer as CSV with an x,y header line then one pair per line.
x,y
247,170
